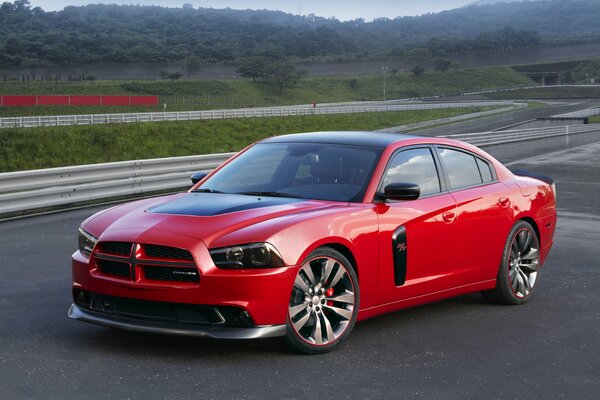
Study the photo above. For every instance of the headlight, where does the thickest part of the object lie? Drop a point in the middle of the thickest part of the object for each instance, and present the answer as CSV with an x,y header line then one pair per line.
x,y
86,242
256,255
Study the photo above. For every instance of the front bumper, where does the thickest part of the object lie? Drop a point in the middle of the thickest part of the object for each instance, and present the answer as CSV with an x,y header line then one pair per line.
x,y
264,294
135,325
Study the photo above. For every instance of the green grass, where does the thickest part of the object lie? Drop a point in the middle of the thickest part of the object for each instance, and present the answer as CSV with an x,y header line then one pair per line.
x,y
595,119
33,148
236,93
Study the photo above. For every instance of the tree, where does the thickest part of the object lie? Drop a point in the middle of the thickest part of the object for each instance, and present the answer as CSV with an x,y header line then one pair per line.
x,y
284,75
417,56
173,76
441,64
191,64
90,78
418,70
164,74
253,67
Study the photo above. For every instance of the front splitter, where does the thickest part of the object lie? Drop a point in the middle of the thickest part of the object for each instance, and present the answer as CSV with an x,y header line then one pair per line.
x,y
215,332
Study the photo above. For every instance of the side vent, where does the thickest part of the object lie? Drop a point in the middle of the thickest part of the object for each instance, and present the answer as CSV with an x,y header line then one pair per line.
x,y
399,250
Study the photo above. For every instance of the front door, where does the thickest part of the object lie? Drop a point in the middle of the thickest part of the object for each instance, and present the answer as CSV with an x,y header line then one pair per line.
x,y
417,237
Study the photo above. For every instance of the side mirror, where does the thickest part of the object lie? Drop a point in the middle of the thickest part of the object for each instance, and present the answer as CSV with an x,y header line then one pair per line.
x,y
402,191
197,177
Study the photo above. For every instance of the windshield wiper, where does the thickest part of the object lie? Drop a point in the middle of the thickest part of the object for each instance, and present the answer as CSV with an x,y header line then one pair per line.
x,y
206,190
271,194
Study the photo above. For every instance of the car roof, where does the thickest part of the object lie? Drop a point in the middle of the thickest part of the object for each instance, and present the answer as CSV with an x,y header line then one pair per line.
x,y
353,138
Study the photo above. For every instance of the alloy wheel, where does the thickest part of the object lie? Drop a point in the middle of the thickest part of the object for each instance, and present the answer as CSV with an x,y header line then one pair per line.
x,y
523,262
322,302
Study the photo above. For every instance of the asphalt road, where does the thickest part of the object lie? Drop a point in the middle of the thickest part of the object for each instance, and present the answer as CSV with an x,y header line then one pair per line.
x,y
503,120
462,348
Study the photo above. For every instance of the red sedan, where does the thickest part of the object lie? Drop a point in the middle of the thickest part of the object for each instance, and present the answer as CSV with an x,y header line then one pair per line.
x,y
303,235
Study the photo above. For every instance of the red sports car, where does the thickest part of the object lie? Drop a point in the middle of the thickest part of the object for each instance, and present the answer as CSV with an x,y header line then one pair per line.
x,y
303,235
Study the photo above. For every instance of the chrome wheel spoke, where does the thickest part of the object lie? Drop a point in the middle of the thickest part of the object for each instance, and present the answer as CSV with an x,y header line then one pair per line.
x,y
301,322
514,250
295,310
327,270
531,255
317,331
328,329
525,280
340,273
521,240
514,282
343,298
531,267
300,284
342,312
309,274
520,284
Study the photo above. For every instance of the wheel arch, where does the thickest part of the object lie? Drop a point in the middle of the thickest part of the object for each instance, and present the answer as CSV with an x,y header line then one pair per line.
x,y
346,252
532,222
337,244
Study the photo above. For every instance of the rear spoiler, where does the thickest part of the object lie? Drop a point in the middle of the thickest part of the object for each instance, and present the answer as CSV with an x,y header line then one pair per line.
x,y
535,175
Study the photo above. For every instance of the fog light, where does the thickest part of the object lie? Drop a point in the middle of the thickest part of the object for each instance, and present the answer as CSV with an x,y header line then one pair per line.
x,y
81,297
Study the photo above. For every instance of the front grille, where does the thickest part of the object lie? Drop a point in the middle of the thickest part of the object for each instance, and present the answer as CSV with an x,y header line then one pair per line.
x,y
116,268
160,311
171,274
171,253
117,248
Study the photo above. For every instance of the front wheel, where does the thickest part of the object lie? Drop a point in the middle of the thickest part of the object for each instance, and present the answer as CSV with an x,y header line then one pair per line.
x,y
519,269
324,303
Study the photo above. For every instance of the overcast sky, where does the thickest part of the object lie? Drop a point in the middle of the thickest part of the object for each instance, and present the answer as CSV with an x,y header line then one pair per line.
x,y
341,9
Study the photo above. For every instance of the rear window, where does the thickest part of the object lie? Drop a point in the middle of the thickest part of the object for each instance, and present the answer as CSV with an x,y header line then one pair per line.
x,y
461,167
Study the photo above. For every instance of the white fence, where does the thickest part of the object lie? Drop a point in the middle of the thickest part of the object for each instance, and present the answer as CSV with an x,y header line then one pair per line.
x,y
588,112
96,119
64,187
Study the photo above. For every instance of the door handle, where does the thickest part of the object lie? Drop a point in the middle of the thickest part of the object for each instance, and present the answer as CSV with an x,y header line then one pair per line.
x,y
449,217
504,201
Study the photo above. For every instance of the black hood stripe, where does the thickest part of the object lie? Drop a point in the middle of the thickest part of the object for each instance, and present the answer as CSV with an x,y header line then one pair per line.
x,y
210,204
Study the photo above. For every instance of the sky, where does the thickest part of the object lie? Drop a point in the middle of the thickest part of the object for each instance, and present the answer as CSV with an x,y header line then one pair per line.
x,y
341,9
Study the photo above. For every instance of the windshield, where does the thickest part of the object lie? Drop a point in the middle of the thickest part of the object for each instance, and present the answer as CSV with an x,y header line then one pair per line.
x,y
306,170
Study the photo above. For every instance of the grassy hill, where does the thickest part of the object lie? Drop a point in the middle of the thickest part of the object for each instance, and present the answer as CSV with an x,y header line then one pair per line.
x,y
237,93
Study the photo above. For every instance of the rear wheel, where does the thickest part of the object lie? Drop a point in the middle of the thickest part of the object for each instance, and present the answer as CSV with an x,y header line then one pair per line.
x,y
519,269
324,302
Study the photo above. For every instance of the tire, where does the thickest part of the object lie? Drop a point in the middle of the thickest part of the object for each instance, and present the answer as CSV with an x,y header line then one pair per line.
x,y
323,305
518,272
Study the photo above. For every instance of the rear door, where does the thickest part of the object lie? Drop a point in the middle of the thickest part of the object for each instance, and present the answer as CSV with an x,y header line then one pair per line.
x,y
417,237
484,214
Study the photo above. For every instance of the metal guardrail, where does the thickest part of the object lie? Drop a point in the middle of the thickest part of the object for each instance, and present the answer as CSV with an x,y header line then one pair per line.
x,y
450,120
96,119
59,187
588,112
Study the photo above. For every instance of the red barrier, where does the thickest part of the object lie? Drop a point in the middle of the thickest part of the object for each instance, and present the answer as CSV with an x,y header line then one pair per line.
x,y
115,100
86,100
144,100
80,100
11,101
53,100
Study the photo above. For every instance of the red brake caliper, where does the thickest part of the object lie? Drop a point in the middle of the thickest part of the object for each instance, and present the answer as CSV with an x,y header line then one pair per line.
x,y
329,293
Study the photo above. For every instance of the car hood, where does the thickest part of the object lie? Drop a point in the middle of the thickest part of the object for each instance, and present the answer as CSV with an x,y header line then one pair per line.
x,y
203,216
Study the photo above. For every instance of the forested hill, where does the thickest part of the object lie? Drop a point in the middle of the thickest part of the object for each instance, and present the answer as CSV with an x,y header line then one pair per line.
x,y
142,34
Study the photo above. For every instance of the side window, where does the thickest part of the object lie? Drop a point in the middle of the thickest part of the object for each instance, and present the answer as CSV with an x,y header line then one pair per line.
x,y
461,168
484,169
414,166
